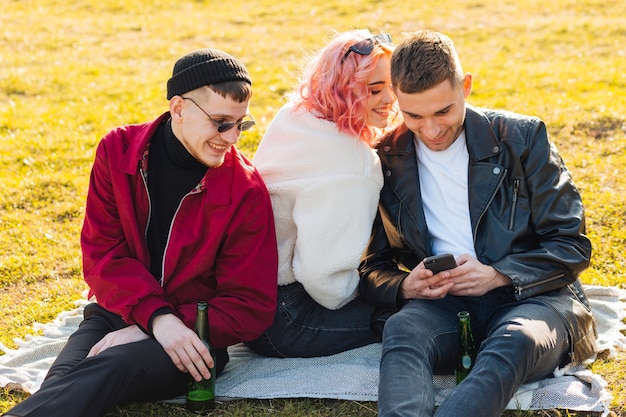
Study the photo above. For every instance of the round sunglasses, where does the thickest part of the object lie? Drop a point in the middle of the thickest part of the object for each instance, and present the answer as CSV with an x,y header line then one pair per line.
x,y
225,126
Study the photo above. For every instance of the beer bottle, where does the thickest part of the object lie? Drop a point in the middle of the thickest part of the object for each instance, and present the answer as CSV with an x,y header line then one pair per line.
x,y
468,354
201,394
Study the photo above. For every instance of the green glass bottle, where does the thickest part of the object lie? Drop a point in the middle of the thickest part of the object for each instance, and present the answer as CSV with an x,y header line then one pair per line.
x,y
468,350
201,394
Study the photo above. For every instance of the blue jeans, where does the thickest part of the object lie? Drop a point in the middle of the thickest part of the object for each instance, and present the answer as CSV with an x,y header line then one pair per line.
x,y
303,328
517,342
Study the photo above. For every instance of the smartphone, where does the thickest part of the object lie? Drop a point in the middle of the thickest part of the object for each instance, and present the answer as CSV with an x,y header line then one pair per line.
x,y
439,263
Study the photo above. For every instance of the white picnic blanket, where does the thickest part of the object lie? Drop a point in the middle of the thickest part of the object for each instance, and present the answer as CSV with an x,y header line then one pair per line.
x,y
351,375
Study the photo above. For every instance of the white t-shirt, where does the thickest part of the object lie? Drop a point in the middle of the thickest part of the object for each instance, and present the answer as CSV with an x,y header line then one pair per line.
x,y
443,181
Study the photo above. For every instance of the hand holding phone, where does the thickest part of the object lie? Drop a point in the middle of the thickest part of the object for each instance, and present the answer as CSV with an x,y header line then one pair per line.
x,y
439,263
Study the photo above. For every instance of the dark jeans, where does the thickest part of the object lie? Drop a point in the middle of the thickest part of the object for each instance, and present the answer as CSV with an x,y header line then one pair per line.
x,y
80,386
521,341
303,328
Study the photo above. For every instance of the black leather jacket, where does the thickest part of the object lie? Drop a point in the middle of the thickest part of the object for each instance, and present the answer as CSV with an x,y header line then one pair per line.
x,y
526,215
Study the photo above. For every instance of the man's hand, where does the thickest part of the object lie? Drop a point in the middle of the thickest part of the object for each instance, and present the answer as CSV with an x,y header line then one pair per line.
x,y
119,337
421,283
183,346
471,277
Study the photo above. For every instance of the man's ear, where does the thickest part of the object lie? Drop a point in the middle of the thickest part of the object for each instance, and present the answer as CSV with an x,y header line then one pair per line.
x,y
176,108
467,85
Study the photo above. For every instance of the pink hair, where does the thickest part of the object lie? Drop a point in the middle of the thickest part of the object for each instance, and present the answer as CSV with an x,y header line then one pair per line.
x,y
336,88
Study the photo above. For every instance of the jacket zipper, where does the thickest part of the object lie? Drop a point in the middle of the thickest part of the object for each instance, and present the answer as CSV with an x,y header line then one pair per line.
x,y
515,193
521,288
475,231
145,184
169,233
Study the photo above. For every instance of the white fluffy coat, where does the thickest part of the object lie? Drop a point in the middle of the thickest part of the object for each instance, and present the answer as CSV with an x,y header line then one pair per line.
x,y
324,187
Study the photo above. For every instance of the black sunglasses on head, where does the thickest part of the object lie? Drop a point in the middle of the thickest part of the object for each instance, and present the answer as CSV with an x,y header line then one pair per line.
x,y
366,46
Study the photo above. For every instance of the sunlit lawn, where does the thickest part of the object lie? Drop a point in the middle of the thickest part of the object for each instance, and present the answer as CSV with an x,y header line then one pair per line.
x,y
73,69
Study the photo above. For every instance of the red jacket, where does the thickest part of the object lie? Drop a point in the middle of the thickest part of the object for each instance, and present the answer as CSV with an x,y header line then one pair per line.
x,y
222,244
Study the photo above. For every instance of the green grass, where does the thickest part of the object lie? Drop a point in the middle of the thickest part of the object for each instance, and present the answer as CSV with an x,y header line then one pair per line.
x,y
74,69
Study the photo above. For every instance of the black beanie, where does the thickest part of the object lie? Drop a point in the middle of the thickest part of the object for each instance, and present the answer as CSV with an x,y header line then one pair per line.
x,y
204,67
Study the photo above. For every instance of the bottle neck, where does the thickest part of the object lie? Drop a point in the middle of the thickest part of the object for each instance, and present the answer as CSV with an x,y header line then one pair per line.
x,y
202,322
465,331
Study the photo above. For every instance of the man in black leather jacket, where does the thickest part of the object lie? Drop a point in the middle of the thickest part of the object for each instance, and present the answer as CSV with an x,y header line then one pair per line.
x,y
490,188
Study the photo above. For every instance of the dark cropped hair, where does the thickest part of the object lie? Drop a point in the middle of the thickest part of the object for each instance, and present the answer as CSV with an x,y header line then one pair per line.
x,y
238,91
423,60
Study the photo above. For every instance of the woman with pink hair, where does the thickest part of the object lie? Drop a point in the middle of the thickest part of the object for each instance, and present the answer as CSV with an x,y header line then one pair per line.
x,y
324,179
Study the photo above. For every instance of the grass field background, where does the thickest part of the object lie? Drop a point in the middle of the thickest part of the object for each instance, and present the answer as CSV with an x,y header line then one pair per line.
x,y
70,70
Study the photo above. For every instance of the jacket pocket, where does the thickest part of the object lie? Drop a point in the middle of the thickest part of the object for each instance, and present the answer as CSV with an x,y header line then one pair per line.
x,y
538,287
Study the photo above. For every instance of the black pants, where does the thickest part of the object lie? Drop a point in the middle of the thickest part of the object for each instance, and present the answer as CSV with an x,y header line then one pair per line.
x,y
89,387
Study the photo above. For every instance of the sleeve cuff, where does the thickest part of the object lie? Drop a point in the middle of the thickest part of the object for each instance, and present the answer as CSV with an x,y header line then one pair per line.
x,y
159,312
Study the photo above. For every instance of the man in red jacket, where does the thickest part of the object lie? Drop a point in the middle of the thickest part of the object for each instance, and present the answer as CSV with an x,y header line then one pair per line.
x,y
175,214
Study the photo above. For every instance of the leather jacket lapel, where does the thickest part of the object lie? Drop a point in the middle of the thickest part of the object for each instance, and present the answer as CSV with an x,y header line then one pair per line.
x,y
484,177
399,161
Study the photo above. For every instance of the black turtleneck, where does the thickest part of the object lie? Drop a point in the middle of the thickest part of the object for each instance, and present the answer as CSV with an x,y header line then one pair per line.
x,y
172,173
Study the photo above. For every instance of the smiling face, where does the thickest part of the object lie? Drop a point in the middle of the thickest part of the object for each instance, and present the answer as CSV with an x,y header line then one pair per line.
x,y
381,95
197,132
436,115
